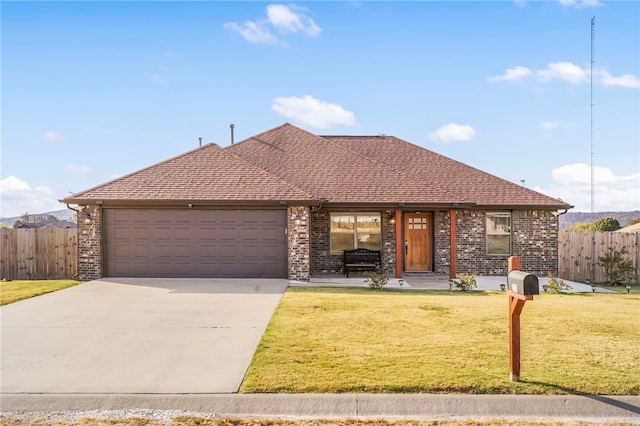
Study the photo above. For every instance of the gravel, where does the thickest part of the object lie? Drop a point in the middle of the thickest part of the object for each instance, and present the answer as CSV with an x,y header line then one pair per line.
x,y
165,416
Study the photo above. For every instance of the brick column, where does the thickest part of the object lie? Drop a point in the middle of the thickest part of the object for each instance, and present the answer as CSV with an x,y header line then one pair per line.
x,y
298,243
90,243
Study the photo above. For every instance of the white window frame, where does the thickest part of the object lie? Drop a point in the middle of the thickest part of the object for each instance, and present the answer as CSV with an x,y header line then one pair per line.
x,y
355,228
492,231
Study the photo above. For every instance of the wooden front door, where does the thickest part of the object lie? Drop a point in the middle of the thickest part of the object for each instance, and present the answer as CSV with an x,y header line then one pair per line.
x,y
418,242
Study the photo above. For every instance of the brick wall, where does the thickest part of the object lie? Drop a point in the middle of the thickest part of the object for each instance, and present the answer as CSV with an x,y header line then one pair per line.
x,y
323,261
388,243
534,238
90,243
441,244
298,242
535,241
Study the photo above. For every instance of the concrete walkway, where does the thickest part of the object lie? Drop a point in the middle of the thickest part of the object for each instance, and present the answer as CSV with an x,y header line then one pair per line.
x,y
437,282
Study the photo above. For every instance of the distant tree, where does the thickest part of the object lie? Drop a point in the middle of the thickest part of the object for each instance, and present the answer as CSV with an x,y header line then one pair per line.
x,y
580,227
17,223
633,221
606,224
25,218
602,225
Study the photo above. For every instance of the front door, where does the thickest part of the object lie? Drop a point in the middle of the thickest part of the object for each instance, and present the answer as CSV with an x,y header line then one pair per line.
x,y
418,242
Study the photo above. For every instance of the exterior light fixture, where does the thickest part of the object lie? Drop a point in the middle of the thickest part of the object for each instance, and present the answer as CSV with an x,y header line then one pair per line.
x,y
628,288
400,282
503,287
593,287
87,218
392,221
297,219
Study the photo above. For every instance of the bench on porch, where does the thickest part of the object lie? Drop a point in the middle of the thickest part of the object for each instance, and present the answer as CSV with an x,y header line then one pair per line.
x,y
361,259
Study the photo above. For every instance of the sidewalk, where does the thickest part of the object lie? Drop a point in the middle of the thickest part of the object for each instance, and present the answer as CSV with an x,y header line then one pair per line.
x,y
436,282
418,406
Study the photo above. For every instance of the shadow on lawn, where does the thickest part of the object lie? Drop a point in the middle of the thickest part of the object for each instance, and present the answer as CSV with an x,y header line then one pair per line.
x,y
600,398
388,290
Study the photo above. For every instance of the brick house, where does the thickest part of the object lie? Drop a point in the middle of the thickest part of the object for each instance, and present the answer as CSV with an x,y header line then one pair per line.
x,y
286,203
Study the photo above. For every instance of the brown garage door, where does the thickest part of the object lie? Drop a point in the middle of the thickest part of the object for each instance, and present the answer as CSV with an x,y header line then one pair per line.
x,y
195,243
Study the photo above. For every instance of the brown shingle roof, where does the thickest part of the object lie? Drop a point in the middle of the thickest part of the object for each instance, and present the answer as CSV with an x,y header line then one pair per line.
x,y
288,163
209,173
468,184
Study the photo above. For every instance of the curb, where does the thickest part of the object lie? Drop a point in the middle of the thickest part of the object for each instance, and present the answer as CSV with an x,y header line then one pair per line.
x,y
420,406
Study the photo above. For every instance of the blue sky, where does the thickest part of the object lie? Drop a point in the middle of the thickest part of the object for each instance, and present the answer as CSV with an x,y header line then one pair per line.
x,y
95,90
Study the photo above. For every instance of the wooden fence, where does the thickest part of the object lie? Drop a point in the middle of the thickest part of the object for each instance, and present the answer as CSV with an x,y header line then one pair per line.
x,y
38,254
35,254
578,253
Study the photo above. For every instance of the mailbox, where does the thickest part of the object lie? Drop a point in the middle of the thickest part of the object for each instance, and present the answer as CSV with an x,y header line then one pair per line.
x,y
523,283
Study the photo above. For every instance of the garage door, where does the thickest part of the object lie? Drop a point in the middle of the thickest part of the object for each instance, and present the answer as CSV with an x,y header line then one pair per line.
x,y
195,243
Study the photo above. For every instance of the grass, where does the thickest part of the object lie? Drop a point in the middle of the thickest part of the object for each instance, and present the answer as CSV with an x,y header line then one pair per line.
x,y
361,340
229,421
13,291
635,288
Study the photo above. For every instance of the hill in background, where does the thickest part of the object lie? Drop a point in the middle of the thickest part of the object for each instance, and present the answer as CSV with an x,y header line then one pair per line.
x,y
570,218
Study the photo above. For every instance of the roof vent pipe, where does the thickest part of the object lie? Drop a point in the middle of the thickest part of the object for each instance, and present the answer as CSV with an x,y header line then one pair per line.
x,y
231,126
200,140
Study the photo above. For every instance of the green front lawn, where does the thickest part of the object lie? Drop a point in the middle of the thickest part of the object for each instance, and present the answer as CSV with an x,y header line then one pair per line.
x,y
363,340
12,291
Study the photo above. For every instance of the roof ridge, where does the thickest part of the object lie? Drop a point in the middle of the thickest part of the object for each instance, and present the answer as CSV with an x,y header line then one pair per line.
x,y
256,136
267,172
210,145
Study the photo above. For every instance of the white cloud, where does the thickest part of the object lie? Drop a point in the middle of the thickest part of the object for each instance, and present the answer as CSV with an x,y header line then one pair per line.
x,y
313,112
580,4
18,197
566,71
549,125
520,3
516,73
292,19
626,80
453,132
50,136
158,78
78,170
285,19
252,32
572,183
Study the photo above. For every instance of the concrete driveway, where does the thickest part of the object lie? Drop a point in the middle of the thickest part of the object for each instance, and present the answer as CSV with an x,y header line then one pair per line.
x,y
136,336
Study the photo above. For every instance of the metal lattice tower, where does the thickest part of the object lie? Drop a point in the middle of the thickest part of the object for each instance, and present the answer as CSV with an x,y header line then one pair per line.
x,y
593,51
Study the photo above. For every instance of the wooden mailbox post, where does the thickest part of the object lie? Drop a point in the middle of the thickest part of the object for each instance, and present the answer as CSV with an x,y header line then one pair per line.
x,y
518,294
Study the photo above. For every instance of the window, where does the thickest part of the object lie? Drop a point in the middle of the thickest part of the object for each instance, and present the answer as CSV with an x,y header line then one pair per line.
x,y
355,230
498,233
